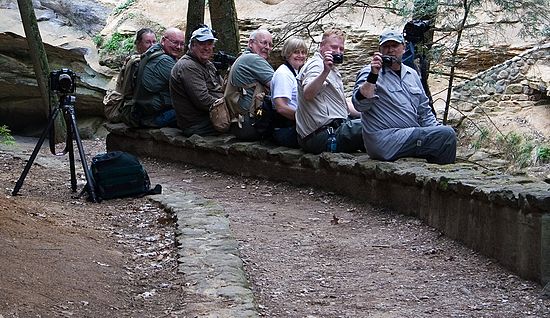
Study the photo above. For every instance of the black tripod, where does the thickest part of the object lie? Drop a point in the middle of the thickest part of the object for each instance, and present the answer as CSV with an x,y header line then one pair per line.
x,y
66,105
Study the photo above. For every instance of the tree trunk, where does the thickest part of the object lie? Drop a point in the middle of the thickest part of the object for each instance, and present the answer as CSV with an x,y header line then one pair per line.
x,y
195,16
39,61
224,20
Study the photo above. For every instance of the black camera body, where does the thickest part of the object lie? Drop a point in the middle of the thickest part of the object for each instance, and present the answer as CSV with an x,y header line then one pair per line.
x,y
223,60
337,58
387,60
63,81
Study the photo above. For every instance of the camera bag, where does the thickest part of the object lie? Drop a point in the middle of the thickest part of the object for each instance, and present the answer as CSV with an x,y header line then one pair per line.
x,y
118,174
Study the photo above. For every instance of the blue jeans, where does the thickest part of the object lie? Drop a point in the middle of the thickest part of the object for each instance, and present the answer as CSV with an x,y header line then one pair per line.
x,y
165,119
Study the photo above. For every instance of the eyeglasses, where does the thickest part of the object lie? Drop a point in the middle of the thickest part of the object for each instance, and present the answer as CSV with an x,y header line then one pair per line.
x,y
176,43
265,43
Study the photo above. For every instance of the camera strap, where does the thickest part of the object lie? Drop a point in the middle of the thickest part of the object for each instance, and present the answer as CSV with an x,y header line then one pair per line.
x,y
291,68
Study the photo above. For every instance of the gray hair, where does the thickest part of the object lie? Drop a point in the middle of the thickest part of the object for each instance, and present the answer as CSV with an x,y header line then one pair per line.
x,y
291,45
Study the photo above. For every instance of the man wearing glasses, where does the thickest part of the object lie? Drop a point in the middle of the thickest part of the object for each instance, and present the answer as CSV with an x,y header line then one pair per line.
x,y
250,71
153,105
195,85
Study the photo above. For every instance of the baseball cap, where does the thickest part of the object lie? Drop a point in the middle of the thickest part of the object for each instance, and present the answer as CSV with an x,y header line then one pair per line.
x,y
391,35
203,34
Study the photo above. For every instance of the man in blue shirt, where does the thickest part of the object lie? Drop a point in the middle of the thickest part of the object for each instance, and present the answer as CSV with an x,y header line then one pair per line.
x,y
395,113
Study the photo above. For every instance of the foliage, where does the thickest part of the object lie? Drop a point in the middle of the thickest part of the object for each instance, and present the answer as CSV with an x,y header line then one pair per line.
x,y
543,154
98,40
482,138
516,149
123,6
5,136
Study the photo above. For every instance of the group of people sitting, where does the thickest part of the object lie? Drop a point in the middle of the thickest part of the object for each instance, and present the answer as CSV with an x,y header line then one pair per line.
x,y
388,115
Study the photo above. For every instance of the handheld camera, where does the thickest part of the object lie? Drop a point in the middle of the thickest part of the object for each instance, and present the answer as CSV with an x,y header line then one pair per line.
x,y
387,60
337,58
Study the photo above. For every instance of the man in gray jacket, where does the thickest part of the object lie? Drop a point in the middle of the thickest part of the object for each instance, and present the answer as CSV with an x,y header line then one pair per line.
x,y
395,113
195,85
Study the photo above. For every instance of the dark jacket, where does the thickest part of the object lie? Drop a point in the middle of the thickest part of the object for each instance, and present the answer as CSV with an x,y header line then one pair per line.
x,y
194,87
153,93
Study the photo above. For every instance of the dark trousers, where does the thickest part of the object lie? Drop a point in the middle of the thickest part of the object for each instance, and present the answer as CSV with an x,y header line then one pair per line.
x,y
202,128
348,133
436,144
286,137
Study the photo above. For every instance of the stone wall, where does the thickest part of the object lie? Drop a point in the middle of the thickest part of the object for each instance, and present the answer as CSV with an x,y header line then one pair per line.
x,y
517,83
502,216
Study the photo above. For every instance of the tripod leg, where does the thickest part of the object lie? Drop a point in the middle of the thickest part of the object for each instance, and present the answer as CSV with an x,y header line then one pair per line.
x,y
70,150
28,166
90,180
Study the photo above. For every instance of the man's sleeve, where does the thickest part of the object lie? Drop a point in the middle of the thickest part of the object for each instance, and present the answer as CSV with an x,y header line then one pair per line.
x,y
360,102
264,71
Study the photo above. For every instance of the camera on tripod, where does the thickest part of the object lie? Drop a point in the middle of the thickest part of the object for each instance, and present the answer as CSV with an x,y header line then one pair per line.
x,y
63,81
223,60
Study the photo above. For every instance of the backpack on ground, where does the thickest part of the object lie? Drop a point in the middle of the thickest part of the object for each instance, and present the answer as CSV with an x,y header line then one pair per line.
x,y
118,174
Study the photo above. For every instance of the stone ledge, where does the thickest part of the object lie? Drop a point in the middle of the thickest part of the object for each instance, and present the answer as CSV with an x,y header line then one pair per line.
x,y
498,215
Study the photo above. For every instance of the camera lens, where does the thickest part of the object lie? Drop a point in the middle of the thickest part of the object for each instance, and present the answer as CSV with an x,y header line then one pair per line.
x,y
338,58
65,83
387,60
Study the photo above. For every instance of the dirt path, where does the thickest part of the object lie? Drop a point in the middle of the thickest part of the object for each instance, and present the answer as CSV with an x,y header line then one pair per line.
x,y
307,253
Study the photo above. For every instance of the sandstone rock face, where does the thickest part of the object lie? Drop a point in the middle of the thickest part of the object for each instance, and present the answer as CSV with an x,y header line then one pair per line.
x,y
67,28
86,15
21,105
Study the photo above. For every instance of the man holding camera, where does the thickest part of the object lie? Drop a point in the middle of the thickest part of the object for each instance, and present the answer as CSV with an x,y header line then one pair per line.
x,y
396,116
323,111
195,85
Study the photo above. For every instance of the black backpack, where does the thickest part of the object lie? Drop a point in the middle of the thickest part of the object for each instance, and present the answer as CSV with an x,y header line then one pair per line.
x,y
118,174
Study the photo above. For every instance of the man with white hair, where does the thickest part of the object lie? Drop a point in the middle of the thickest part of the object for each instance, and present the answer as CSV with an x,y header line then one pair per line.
x,y
397,119
195,85
250,71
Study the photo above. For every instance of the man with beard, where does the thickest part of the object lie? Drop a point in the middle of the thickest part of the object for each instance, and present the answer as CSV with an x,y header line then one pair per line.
x,y
195,85
395,113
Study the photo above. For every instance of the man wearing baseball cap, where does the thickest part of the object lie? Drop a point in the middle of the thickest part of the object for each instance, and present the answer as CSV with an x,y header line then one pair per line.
x,y
195,85
395,113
